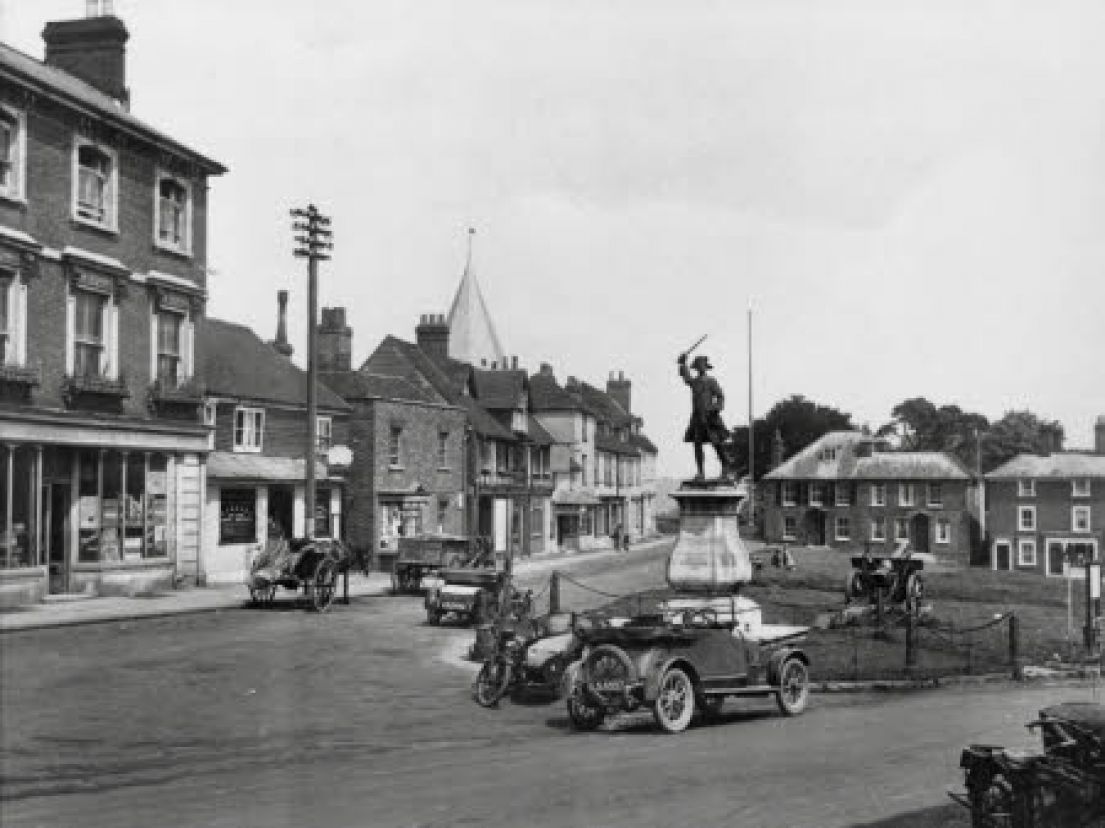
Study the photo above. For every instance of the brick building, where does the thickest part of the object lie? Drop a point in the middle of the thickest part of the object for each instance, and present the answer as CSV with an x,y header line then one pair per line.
x,y
255,404
1040,508
103,255
848,490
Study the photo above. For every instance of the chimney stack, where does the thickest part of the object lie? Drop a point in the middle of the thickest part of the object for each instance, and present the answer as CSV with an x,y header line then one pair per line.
x,y
335,341
514,363
281,344
621,390
546,369
93,48
432,335
1099,435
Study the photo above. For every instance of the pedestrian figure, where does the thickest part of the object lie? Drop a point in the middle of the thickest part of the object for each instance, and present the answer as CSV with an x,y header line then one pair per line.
x,y
706,425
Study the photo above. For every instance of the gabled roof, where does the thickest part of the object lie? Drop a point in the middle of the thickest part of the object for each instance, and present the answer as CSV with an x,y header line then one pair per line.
x,y
537,432
498,390
80,95
483,423
545,394
643,443
394,371
1062,465
472,335
448,378
232,361
603,406
834,457
353,385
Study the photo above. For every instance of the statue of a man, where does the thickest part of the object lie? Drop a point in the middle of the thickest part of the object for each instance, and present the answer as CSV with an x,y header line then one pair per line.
x,y
707,401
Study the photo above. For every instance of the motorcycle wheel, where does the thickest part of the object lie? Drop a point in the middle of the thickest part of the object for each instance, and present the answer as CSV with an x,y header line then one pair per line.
x,y
583,715
492,682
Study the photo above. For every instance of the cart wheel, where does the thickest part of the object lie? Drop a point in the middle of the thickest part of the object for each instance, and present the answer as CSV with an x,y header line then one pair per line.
x,y
584,716
492,682
325,583
794,687
675,703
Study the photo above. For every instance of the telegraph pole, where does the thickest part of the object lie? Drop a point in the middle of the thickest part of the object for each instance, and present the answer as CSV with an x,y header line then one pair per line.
x,y
313,244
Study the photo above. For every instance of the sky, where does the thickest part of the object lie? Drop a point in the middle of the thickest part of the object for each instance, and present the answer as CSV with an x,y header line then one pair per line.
x,y
910,195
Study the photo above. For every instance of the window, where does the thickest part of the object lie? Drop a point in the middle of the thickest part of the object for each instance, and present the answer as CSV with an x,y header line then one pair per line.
x,y
843,494
1026,518
905,494
322,512
6,349
1080,519
936,495
1056,558
249,429
1080,488
943,530
790,527
442,514
210,410
237,516
901,529
790,493
537,520
843,528
169,327
324,434
90,310
443,449
12,153
1026,488
878,494
174,208
878,529
1026,552
395,447
94,196
817,494
827,455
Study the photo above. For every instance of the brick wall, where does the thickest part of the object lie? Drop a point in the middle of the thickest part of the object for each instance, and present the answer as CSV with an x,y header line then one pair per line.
x,y
1054,502
285,433
370,430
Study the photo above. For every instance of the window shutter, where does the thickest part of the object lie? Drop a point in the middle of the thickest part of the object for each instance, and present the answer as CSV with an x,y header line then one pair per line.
x,y
70,332
21,324
113,340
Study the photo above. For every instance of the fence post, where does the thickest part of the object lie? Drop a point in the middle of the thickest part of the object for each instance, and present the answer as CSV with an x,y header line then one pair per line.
x,y
1015,646
554,592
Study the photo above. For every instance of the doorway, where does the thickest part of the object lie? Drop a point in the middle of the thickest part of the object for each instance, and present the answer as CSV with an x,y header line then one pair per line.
x,y
816,527
919,533
282,509
55,504
1003,555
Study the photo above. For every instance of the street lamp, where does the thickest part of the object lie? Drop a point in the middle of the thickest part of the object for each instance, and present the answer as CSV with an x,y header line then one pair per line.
x,y
313,244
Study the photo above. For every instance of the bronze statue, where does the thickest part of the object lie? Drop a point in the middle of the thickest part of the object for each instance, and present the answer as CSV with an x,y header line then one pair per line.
x,y
706,425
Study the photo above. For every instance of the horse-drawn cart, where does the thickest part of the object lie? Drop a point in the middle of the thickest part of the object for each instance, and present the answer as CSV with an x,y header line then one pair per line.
x,y
423,555
313,565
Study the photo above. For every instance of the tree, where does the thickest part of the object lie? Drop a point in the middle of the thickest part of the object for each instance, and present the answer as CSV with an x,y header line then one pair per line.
x,y
797,421
1019,432
919,425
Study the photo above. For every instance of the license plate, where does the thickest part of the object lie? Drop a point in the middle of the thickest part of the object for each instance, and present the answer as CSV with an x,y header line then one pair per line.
x,y
609,686
453,605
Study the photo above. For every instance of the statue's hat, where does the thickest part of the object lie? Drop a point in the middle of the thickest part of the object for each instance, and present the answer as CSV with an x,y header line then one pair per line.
x,y
701,361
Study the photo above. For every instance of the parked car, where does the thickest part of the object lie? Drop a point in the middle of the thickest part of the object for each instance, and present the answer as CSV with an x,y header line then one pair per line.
x,y
689,658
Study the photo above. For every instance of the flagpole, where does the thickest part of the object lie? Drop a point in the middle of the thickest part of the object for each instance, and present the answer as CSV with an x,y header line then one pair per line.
x,y
751,430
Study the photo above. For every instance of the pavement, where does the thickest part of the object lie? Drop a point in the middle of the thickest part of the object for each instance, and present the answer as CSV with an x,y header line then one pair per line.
x,y
79,609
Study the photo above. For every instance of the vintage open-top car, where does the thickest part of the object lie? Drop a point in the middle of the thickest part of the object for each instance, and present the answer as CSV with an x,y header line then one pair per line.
x,y
1062,787
688,658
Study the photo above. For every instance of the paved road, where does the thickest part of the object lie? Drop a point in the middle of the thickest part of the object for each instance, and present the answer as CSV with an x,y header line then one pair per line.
x,y
363,718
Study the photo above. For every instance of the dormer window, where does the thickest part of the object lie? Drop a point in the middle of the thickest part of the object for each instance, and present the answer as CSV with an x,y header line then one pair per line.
x,y
96,174
174,212
12,154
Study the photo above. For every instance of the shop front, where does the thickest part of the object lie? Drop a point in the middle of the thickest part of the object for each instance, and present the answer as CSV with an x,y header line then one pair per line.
x,y
251,499
97,506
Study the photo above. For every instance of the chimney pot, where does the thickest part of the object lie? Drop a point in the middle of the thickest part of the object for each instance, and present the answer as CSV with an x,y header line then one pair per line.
x,y
514,362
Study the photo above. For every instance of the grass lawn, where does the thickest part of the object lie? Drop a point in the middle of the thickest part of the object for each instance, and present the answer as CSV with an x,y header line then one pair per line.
x,y
959,637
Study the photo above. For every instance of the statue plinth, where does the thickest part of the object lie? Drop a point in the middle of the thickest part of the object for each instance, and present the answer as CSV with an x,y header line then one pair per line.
x,y
709,556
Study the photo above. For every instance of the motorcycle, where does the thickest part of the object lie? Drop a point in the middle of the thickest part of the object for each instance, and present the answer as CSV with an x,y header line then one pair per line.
x,y
526,657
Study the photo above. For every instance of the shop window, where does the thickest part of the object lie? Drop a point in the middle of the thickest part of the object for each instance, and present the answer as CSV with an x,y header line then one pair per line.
x,y
157,507
237,516
16,524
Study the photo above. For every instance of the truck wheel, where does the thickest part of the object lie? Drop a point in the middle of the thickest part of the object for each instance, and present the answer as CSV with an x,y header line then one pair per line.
x,y
675,702
583,715
794,687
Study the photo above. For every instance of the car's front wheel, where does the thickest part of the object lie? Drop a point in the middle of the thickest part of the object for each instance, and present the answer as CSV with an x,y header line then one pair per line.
x,y
675,702
584,716
794,687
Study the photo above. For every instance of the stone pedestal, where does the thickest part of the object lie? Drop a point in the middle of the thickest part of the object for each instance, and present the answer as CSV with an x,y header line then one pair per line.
x,y
709,556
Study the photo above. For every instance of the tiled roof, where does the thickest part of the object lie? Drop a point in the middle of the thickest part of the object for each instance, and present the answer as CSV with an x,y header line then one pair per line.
x,y
607,442
483,423
603,406
811,464
363,385
545,394
1060,465
497,390
83,95
232,361
538,434
642,442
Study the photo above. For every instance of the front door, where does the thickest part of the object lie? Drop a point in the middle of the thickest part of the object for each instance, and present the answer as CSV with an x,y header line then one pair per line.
x,y
55,504
919,533
816,527
1003,554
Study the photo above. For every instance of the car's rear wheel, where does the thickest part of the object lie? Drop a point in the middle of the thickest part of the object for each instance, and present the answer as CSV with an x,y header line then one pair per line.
x,y
675,702
794,687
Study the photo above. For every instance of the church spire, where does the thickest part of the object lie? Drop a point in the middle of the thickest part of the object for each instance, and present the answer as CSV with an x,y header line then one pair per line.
x,y
472,336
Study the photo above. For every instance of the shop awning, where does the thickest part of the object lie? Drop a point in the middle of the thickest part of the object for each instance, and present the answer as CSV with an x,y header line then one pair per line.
x,y
225,465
